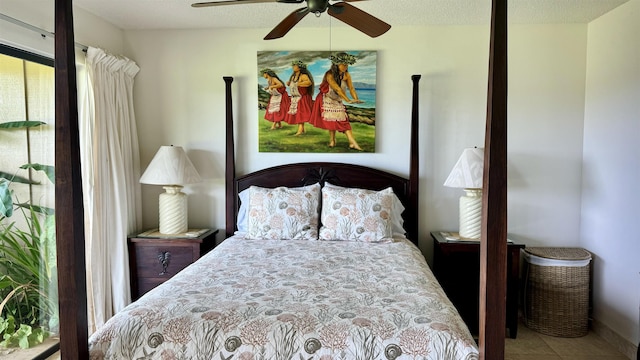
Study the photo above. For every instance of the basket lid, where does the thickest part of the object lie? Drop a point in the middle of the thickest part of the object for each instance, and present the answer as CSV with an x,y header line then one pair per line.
x,y
559,253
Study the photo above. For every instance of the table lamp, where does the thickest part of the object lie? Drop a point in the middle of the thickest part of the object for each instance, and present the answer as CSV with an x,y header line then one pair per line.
x,y
171,168
467,174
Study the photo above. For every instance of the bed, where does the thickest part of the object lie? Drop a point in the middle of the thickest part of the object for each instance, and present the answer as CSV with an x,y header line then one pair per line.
x,y
69,221
316,265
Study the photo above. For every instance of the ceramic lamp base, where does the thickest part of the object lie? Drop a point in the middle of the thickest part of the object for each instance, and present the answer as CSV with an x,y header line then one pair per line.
x,y
471,214
173,211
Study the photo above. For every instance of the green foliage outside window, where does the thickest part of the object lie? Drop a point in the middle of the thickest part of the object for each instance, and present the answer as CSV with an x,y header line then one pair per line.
x,y
28,273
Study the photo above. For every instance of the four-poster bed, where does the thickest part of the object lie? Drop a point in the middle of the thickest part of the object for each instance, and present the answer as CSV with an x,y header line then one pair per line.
x,y
343,291
70,233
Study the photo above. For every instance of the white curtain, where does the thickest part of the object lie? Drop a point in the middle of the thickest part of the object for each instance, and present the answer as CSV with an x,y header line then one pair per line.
x,y
110,174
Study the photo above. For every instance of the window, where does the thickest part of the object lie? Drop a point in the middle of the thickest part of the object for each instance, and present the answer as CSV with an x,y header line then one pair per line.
x,y
28,278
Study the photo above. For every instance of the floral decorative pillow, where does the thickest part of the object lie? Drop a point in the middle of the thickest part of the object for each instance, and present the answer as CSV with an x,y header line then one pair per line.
x,y
283,213
396,217
357,214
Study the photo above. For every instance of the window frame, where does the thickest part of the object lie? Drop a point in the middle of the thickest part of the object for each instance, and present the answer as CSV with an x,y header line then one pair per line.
x,y
44,351
26,55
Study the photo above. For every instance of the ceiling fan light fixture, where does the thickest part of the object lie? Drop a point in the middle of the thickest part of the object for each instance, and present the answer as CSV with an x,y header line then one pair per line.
x,y
317,6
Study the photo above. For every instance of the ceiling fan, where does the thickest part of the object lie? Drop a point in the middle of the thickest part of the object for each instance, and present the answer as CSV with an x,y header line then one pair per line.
x,y
341,10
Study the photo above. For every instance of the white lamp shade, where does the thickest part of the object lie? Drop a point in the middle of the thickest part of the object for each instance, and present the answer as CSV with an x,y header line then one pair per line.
x,y
170,166
467,173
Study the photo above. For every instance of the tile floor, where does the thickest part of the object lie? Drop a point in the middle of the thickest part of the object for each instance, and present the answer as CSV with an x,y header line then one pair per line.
x,y
531,345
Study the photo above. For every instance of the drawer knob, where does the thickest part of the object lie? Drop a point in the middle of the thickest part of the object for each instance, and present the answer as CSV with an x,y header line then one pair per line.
x,y
164,258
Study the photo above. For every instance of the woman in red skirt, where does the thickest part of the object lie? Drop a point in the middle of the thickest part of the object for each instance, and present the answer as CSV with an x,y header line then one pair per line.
x,y
329,111
278,102
301,88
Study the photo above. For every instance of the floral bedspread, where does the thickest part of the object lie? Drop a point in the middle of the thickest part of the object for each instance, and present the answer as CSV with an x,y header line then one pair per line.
x,y
293,299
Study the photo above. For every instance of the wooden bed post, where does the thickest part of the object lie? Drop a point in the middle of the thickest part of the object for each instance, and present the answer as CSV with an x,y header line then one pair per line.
x,y
414,172
72,291
493,246
230,165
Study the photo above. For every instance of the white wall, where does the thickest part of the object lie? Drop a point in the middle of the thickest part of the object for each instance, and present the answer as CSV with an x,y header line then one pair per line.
x,y
179,96
180,86
611,170
546,102
89,29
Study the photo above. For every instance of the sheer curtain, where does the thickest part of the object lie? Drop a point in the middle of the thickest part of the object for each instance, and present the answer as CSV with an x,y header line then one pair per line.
x,y
110,172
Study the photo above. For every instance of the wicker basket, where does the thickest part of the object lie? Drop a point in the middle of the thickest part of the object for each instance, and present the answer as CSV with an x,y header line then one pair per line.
x,y
556,295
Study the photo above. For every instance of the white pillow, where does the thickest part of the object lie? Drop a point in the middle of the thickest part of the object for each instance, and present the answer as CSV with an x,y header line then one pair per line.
x,y
397,222
241,221
283,213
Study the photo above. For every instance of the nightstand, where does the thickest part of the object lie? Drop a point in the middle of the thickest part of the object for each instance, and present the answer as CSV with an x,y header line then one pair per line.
x,y
456,265
155,258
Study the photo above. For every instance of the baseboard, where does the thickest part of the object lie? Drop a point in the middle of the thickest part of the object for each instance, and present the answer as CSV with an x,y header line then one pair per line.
x,y
617,341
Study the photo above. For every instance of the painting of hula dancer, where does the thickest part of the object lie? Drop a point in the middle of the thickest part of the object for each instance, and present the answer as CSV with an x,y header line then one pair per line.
x,y
316,101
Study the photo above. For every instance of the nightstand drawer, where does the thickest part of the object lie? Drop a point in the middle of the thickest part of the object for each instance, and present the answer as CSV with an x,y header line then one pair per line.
x,y
150,259
154,260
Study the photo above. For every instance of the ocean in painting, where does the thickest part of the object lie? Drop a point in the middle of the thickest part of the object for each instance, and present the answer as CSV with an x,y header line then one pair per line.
x,y
368,95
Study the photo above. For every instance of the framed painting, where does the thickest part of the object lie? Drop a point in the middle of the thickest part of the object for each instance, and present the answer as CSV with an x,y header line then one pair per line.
x,y
317,101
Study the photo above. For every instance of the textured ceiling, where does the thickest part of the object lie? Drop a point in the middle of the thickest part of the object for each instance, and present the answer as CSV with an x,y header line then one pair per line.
x,y
178,14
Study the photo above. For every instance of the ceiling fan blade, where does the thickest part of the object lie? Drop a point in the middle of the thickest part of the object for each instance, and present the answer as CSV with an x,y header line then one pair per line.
x,y
285,25
229,2
358,19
